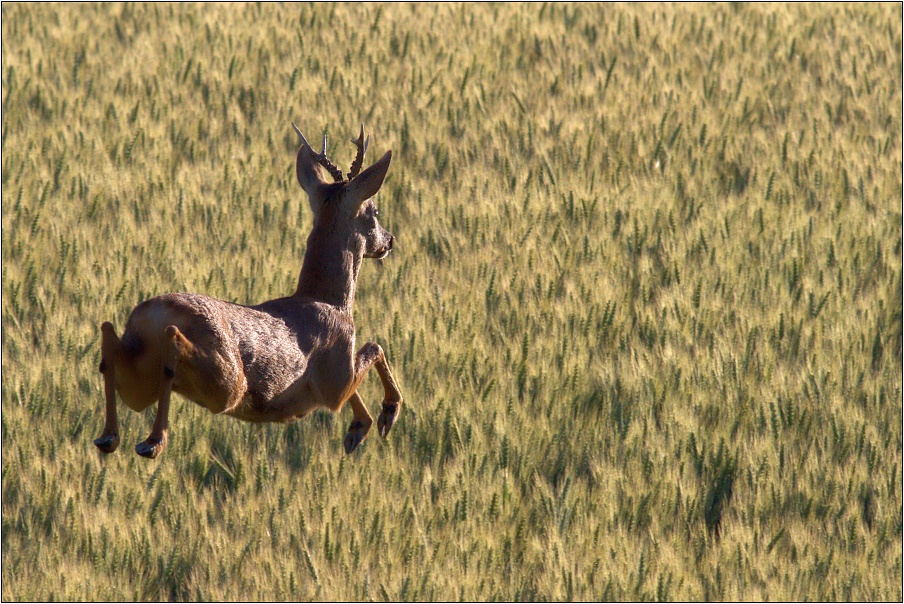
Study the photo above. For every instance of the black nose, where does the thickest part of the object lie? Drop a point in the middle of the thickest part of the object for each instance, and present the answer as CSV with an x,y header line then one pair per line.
x,y
391,241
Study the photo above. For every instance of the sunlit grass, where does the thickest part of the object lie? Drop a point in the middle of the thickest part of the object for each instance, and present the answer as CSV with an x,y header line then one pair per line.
x,y
645,309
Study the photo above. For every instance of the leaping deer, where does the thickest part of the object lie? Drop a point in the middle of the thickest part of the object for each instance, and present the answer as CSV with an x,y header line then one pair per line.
x,y
281,359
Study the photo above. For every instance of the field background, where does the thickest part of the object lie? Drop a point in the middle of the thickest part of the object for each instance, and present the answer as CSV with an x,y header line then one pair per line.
x,y
646,308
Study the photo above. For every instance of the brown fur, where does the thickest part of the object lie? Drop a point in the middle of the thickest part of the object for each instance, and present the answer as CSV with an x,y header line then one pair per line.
x,y
273,362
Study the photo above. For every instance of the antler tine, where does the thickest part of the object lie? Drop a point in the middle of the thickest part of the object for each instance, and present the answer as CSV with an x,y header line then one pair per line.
x,y
361,143
324,161
304,141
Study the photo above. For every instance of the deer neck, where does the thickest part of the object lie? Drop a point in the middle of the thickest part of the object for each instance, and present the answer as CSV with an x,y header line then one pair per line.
x,y
329,273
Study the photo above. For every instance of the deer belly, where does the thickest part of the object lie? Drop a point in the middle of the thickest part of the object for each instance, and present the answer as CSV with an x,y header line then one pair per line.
x,y
267,382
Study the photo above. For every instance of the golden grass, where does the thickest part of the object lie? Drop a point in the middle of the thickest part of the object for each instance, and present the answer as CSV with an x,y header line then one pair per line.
x,y
646,308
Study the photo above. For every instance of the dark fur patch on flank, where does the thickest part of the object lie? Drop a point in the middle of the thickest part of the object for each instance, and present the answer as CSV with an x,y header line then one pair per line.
x,y
131,344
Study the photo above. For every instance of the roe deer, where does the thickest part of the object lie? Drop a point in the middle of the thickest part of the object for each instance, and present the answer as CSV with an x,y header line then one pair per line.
x,y
279,360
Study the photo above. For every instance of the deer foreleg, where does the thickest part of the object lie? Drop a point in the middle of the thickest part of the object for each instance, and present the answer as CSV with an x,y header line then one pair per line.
x,y
156,442
360,426
109,438
371,354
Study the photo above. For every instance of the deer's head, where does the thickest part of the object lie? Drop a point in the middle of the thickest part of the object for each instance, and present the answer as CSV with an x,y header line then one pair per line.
x,y
344,208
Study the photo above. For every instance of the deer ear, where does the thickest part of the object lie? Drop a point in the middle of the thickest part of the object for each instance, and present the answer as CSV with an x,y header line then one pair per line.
x,y
310,177
366,184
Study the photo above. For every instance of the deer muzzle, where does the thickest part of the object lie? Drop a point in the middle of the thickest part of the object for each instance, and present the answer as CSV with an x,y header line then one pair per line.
x,y
384,251
388,247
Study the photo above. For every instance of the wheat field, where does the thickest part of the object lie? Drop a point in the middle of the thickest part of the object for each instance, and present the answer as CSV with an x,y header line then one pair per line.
x,y
645,307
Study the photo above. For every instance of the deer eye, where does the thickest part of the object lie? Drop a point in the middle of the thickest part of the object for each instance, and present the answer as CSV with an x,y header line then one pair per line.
x,y
376,212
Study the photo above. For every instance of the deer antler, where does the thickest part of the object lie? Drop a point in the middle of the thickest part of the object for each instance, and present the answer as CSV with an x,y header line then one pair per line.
x,y
361,143
324,161
304,141
321,157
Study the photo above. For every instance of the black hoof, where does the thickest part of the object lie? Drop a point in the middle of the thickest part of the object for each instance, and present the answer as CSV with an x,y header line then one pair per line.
x,y
351,442
150,448
355,436
387,418
107,444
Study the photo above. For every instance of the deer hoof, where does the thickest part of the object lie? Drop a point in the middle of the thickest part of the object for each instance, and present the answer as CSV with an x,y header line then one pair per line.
x,y
387,418
150,448
107,444
357,432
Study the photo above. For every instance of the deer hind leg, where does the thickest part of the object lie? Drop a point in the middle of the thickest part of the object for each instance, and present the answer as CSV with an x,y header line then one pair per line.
x,y
360,426
110,350
174,342
371,354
